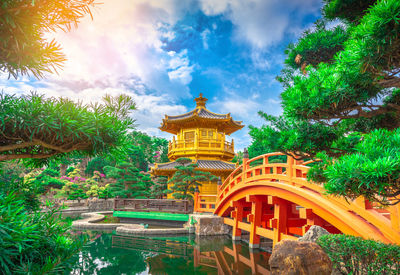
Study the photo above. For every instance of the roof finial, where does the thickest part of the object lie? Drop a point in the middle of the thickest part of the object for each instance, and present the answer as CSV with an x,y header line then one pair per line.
x,y
200,101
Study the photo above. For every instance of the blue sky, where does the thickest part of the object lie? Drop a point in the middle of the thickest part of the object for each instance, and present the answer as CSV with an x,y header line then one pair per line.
x,y
164,53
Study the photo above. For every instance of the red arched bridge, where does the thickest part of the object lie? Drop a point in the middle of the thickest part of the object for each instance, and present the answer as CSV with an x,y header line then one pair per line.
x,y
275,201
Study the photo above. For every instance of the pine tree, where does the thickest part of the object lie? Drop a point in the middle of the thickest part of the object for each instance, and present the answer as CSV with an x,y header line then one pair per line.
x,y
159,187
130,182
187,178
341,102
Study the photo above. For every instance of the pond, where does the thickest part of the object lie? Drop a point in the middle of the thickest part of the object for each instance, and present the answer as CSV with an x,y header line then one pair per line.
x,y
108,253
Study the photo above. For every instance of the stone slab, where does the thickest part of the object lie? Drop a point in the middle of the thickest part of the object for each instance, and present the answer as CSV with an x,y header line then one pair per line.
x,y
208,225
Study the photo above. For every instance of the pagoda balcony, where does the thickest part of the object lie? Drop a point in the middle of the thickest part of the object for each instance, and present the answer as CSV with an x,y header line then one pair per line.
x,y
217,148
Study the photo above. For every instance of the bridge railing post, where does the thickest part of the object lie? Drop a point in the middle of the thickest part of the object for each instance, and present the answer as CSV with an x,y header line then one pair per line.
x,y
244,164
289,171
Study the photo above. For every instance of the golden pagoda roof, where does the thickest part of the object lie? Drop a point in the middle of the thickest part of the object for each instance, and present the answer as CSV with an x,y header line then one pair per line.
x,y
200,117
202,164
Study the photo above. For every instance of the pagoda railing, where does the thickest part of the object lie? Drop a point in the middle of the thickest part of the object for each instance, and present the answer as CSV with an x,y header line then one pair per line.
x,y
203,145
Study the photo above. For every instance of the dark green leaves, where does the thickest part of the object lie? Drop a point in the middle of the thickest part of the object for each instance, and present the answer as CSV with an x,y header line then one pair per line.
x,y
37,127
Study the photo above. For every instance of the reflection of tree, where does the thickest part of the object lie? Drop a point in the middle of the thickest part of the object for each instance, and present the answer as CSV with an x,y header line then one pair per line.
x,y
174,265
99,257
126,257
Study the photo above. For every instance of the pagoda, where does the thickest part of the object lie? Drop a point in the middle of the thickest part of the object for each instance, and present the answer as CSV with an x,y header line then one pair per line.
x,y
200,135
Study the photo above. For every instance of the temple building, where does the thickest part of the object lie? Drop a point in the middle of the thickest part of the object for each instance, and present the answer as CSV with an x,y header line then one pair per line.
x,y
200,135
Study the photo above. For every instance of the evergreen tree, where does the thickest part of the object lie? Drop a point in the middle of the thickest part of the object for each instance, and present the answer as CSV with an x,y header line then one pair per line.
x,y
341,102
187,178
159,187
130,182
77,193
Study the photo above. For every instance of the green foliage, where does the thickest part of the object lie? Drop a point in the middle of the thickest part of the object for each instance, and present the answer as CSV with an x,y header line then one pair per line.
x,y
77,193
70,170
144,149
341,85
24,191
372,171
317,46
354,255
187,178
45,180
97,164
351,10
238,158
23,24
130,182
32,242
159,187
36,127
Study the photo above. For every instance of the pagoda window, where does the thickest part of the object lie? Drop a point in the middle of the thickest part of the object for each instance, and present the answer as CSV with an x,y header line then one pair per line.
x,y
207,133
189,136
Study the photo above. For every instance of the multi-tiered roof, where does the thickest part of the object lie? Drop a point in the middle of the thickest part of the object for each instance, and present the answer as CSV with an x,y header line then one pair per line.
x,y
201,117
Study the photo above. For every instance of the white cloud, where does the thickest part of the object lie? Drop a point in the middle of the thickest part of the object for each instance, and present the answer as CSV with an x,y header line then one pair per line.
x,y
261,23
179,68
205,36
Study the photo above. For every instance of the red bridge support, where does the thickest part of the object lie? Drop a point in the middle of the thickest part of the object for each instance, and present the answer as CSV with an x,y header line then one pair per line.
x,y
275,201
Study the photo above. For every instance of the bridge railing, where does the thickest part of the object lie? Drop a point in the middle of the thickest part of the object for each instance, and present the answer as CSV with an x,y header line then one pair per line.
x,y
291,170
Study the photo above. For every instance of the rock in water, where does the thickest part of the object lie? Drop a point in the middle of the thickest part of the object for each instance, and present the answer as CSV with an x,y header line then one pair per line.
x,y
291,257
313,234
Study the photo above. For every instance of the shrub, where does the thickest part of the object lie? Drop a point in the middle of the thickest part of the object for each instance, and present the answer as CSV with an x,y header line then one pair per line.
x,y
355,255
51,172
33,242
97,164
69,170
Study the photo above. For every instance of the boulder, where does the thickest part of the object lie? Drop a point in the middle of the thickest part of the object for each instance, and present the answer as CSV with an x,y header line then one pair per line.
x,y
291,257
313,234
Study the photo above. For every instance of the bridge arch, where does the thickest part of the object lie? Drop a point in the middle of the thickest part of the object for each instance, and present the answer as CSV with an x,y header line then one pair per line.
x,y
274,200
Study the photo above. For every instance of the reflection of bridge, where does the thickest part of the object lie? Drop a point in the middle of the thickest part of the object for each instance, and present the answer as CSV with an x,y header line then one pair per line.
x,y
222,259
233,261
275,201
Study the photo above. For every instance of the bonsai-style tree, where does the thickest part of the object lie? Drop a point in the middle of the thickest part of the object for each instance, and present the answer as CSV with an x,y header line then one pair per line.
x,y
130,182
159,187
186,178
77,193
341,102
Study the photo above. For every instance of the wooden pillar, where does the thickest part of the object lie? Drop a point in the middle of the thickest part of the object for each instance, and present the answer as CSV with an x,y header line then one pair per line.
x,y
196,257
254,218
196,203
254,259
237,266
312,219
289,171
237,216
279,222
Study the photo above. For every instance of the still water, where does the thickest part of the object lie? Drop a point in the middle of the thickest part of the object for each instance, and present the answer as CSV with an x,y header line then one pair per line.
x,y
108,253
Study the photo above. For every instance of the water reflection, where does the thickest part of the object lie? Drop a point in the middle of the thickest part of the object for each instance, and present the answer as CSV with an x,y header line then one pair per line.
x,y
115,254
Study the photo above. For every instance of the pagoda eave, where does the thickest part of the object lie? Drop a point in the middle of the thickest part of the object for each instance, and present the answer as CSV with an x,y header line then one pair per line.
x,y
228,125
